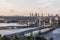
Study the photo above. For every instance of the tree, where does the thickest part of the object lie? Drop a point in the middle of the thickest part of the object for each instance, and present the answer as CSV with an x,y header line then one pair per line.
x,y
5,38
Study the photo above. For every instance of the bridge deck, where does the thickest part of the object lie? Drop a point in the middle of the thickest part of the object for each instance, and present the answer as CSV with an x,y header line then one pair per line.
x,y
9,32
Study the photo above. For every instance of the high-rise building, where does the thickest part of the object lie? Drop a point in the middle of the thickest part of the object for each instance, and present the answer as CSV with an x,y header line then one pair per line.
x,y
36,14
42,14
32,14
48,15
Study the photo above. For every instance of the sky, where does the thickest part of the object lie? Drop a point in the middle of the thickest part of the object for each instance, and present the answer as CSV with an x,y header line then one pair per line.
x,y
24,7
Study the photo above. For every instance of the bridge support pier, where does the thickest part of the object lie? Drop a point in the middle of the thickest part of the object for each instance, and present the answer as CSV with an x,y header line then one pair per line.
x,y
39,32
31,34
21,38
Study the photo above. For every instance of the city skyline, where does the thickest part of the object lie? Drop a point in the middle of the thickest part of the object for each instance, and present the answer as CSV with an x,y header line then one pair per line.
x,y
24,7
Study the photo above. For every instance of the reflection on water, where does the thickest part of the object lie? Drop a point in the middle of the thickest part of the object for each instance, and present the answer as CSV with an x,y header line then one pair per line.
x,y
55,34
57,30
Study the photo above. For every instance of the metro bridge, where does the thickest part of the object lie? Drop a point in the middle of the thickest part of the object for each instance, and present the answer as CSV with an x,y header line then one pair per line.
x,y
22,32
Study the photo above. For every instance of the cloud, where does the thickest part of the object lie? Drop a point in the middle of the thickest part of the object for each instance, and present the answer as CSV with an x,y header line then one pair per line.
x,y
55,3
31,5
6,5
50,3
